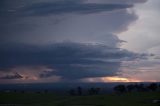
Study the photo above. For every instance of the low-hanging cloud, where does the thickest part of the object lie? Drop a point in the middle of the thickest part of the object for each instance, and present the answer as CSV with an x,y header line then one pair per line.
x,y
69,60
12,76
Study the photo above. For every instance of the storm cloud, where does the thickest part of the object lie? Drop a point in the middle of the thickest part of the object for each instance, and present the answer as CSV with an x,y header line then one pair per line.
x,y
61,7
67,39
60,20
68,59
12,76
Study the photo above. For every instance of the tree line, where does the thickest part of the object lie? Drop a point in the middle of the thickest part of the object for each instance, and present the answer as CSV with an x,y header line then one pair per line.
x,y
119,89
136,87
79,91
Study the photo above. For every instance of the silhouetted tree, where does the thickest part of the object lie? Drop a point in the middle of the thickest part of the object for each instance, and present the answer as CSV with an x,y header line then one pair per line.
x,y
153,87
130,87
79,89
92,91
140,87
97,90
120,88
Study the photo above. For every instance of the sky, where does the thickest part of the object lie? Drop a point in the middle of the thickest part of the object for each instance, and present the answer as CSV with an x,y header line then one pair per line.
x,y
79,41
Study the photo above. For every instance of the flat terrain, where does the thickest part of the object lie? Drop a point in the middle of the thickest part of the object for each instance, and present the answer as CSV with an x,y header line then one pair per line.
x,y
49,99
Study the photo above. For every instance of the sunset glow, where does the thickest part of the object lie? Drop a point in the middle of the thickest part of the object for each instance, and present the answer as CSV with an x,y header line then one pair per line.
x,y
122,79
119,79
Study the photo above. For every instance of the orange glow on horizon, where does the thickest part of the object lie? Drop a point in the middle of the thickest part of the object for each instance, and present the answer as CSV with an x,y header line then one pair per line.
x,y
116,79
119,79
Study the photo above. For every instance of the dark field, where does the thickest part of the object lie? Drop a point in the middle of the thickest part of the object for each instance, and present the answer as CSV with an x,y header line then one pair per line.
x,y
50,99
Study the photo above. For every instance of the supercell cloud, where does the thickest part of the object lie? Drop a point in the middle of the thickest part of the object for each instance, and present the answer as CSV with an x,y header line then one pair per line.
x,y
68,60
65,39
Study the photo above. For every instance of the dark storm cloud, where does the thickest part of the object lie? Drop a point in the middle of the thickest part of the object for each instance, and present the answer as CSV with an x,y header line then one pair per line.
x,y
61,7
46,74
19,24
68,60
118,1
12,76
57,7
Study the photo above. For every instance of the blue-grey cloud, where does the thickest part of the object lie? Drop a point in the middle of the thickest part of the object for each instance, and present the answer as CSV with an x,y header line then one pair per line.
x,y
61,7
12,76
57,7
117,1
69,60
18,23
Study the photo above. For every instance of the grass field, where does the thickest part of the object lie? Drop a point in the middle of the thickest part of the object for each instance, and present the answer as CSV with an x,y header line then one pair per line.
x,y
49,99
